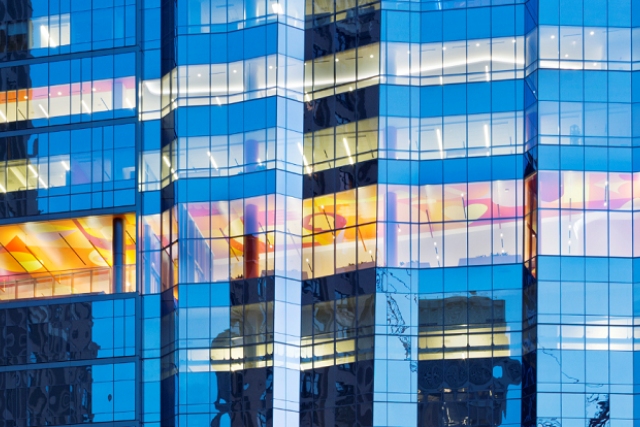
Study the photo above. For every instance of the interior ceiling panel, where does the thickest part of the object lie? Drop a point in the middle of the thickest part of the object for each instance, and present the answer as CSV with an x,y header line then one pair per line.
x,y
60,245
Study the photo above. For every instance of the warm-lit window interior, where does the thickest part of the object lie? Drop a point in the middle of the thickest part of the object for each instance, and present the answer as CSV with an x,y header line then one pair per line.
x,y
346,71
62,257
89,97
339,232
341,145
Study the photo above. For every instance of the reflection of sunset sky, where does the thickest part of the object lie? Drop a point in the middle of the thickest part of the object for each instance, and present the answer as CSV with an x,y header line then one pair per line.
x,y
586,213
586,190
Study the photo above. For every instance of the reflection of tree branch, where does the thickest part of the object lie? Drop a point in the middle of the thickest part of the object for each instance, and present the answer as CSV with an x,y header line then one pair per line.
x,y
601,416
545,351
397,320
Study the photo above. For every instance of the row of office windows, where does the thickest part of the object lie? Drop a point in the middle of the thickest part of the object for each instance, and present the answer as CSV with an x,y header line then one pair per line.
x,y
70,395
214,15
48,173
579,337
427,138
588,190
474,56
220,260
447,137
430,63
337,332
592,47
77,31
69,161
404,245
204,156
585,213
579,85
341,145
470,345
586,303
590,233
576,119
63,92
238,337
333,10
221,155
75,102
413,204
221,84
604,371
51,333
414,235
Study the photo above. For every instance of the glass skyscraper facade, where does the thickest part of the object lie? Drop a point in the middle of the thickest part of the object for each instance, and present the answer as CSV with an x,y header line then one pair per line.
x,y
269,213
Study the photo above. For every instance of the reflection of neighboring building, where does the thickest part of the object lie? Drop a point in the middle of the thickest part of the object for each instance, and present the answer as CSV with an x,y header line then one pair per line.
x,y
15,27
465,368
49,334
243,377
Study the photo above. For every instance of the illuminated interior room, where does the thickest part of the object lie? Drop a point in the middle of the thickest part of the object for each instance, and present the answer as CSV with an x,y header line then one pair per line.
x,y
70,256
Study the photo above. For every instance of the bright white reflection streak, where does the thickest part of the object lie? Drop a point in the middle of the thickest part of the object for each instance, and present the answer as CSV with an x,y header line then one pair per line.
x,y
43,110
304,159
486,136
439,137
213,162
346,147
45,34
65,166
3,116
85,106
31,168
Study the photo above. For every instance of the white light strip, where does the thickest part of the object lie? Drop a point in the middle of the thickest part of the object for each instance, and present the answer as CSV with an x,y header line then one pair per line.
x,y
166,161
65,166
85,106
43,110
2,188
3,116
42,182
128,102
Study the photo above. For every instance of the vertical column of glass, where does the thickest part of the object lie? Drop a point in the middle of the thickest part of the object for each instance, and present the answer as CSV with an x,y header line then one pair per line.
x,y
288,215
453,216
584,359
231,290
150,242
